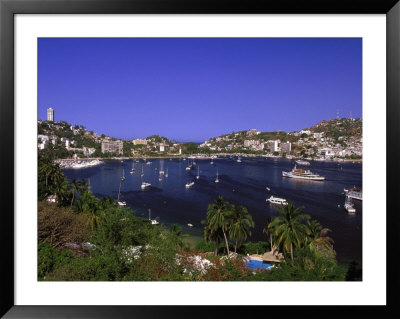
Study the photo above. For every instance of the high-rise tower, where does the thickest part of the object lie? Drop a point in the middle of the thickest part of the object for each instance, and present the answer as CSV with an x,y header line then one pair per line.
x,y
50,114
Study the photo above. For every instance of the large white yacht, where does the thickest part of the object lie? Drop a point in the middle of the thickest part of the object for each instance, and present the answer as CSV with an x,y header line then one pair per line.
x,y
303,174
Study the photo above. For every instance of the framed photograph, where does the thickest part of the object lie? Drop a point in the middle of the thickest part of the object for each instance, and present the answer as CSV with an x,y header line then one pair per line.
x,y
175,154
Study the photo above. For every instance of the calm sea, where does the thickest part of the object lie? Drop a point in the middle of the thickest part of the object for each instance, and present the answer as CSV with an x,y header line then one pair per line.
x,y
242,183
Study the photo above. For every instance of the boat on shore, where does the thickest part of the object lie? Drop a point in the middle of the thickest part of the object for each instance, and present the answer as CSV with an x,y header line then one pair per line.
x,y
354,193
277,201
300,173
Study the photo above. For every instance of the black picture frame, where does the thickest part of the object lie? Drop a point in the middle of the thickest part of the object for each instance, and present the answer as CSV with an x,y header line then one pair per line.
x,y
8,8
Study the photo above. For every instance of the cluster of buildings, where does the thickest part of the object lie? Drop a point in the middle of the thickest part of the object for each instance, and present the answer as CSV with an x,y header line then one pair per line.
x,y
305,143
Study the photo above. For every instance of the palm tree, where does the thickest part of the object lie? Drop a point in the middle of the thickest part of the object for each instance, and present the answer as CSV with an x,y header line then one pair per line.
x,y
62,191
46,167
218,218
288,227
269,231
212,235
240,224
318,238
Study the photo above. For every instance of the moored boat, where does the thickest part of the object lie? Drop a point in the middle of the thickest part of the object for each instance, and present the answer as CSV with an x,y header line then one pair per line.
x,y
300,173
301,162
349,206
277,200
145,185
354,193
189,184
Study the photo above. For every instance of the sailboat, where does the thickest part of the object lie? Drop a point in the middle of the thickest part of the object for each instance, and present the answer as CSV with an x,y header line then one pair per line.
x,y
166,174
132,169
142,172
212,163
123,174
120,202
198,172
239,160
153,221
217,180
144,184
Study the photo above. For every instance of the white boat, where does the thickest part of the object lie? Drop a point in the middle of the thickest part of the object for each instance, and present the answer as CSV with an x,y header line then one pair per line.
x,y
162,173
145,185
277,200
268,189
123,175
153,221
198,172
301,162
148,163
142,172
217,180
189,184
239,160
300,173
190,225
349,206
212,163
354,193
119,201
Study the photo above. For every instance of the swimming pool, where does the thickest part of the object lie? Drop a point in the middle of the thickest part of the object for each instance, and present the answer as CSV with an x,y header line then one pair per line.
x,y
257,264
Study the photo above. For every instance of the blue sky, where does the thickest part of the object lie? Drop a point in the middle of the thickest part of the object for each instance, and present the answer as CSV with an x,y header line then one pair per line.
x,y
190,89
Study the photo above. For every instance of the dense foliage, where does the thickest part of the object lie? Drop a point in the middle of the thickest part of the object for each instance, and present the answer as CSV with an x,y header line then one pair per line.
x,y
81,237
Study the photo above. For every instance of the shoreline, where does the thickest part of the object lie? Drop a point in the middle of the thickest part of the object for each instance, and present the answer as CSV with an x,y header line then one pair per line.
x,y
198,156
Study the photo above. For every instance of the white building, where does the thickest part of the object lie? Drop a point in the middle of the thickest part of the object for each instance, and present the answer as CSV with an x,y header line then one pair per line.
x,y
88,151
327,152
318,135
139,141
272,146
50,114
308,132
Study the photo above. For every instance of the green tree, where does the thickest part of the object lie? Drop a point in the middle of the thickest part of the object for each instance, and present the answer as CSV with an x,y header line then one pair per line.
x,y
269,231
318,239
288,227
219,219
241,223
